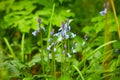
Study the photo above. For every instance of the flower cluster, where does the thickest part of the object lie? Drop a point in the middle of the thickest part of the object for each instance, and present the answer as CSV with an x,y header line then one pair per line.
x,y
64,32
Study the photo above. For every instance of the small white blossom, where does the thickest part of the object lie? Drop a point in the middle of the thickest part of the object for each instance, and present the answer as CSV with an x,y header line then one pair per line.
x,y
50,56
48,48
34,33
54,49
73,35
83,44
68,54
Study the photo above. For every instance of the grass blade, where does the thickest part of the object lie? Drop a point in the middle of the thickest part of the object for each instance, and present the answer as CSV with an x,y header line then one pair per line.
x,y
9,47
79,72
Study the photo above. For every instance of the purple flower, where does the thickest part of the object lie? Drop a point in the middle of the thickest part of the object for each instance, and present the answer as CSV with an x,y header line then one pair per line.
x,y
39,20
117,51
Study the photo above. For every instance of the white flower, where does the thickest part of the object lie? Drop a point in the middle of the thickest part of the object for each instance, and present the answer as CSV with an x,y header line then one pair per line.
x,y
68,54
48,48
54,49
50,56
83,44
34,33
73,35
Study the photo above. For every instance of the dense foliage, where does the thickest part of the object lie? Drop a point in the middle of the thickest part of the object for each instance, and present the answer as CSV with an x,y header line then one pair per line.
x,y
59,40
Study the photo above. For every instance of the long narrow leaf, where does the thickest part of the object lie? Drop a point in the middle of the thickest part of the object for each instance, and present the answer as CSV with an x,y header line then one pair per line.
x,y
9,47
79,72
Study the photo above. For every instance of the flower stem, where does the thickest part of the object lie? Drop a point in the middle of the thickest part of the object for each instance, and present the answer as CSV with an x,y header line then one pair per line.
x,y
116,19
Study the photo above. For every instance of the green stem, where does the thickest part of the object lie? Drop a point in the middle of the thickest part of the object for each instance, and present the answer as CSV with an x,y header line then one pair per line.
x,y
116,19
42,55
50,27
22,48
53,62
62,59
65,57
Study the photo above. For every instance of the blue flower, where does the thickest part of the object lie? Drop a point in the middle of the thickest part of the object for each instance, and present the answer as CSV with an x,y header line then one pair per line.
x,y
103,12
64,32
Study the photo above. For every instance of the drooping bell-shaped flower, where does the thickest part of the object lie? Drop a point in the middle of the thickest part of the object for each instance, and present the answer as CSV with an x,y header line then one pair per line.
x,y
103,12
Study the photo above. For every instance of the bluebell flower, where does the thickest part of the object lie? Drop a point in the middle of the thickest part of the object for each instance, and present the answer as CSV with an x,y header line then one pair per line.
x,y
39,20
73,47
34,33
85,37
103,12
50,46
64,32
60,38
66,36
62,26
57,34
68,28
